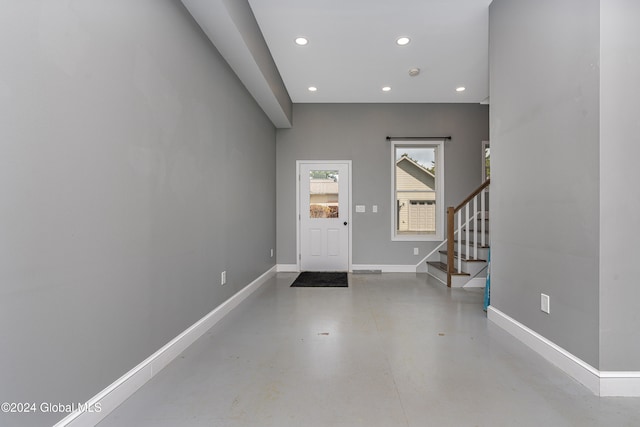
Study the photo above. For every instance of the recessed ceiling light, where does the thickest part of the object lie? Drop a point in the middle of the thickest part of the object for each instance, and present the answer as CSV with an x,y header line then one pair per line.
x,y
460,89
312,88
402,41
386,89
302,41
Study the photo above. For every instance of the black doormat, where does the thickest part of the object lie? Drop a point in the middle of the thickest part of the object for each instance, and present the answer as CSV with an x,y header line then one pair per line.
x,y
321,279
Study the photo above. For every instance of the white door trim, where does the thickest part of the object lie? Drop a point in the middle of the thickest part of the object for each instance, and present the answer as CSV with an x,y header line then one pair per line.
x,y
297,178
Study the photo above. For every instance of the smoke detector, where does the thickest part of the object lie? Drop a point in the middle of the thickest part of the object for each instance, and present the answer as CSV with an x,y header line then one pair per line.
x,y
414,71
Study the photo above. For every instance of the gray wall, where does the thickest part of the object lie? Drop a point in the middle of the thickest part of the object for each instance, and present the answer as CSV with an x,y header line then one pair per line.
x,y
134,168
243,17
544,82
619,201
357,132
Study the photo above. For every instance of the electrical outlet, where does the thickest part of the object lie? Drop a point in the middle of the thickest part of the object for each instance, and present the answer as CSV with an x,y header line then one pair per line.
x,y
223,277
416,251
271,253
544,303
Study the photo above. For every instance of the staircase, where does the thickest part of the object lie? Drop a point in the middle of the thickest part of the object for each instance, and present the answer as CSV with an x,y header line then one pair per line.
x,y
461,260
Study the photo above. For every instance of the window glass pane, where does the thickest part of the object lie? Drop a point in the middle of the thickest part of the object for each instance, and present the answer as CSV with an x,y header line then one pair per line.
x,y
487,162
323,194
415,191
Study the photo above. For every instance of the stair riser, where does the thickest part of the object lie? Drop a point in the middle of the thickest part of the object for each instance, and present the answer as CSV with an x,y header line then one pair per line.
x,y
437,273
463,234
459,281
456,281
472,268
483,253
478,238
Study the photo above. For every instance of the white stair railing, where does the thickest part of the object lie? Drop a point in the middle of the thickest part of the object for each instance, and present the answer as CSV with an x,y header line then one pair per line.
x,y
472,213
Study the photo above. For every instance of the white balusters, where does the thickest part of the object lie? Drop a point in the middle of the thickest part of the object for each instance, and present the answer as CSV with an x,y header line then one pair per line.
x,y
475,227
466,246
475,212
459,240
483,222
476,217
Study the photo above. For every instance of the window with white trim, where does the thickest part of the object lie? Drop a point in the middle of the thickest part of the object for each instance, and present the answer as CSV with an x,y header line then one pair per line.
x,y
417,190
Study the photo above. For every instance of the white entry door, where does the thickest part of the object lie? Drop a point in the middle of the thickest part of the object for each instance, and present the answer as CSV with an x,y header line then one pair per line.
x,y
324,207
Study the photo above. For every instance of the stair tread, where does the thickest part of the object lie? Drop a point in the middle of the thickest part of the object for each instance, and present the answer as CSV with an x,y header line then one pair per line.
x,y
443,267
469,259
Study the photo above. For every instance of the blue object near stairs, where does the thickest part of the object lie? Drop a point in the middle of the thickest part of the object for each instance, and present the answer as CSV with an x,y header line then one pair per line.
x,y
487,288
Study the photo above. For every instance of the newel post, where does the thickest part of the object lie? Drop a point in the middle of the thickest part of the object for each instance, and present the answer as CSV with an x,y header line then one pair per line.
x,y
450,244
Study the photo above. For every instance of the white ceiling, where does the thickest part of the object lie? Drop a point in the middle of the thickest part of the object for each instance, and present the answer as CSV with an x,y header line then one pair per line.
x,y
352,52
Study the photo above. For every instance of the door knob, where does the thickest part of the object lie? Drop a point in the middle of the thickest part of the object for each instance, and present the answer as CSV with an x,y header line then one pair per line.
x,y
345,223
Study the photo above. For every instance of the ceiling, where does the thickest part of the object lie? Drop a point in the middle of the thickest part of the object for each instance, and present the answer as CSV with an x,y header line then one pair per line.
x,y
352,51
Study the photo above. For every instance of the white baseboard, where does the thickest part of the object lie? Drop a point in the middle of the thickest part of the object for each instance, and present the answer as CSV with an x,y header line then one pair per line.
x,y
119,391
575,367
476,282
601,383
621,384
409,268
288,268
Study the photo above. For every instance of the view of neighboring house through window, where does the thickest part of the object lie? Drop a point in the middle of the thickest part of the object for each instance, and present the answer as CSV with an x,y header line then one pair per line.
x,y
486,161
323,194
417,190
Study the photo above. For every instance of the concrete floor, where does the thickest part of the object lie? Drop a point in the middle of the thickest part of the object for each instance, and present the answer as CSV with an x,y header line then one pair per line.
x,y
390,350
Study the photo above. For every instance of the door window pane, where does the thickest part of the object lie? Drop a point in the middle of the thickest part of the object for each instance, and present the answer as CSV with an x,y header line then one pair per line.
x,y
323,194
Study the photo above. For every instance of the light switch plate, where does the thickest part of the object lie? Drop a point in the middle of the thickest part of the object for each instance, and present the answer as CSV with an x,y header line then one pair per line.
x,y
361,208
374,208
545,303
